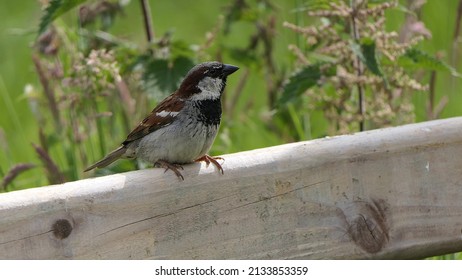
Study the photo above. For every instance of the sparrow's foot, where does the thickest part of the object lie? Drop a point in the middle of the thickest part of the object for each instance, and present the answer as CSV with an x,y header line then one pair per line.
x,y
208,159
171,166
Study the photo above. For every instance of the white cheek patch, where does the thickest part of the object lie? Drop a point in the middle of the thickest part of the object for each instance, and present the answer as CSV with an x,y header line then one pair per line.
x,y
164,114
210,89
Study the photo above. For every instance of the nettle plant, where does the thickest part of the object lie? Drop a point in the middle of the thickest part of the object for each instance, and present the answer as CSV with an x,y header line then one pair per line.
x,y
359,74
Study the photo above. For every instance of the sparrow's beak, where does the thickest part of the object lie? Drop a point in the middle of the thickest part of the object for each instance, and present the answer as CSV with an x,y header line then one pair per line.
x,y
229,69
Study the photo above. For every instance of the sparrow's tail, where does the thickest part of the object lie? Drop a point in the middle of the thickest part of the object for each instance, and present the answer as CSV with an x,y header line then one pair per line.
x,y
110,158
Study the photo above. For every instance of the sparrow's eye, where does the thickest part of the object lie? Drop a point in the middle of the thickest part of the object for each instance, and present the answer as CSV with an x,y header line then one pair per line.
x,y
212,71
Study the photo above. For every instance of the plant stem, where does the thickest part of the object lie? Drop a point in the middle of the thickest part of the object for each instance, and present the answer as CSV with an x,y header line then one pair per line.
x,y
359,67
55,176
100,130
147,20
48,90
431,98
455,53
458,21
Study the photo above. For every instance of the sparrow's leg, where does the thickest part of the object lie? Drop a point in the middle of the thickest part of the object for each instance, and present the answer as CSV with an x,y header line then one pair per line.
x,y
171,166
208,159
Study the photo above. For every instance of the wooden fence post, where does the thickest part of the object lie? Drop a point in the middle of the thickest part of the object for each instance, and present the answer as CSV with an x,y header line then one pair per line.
x,y
389,193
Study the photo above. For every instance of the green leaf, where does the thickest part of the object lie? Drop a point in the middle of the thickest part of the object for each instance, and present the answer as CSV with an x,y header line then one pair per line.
x,y
417,59
55,9
368,49
162,77
366,53
300,82
179,48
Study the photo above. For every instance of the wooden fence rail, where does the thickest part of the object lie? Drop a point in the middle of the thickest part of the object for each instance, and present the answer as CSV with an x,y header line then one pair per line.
x,y
389,193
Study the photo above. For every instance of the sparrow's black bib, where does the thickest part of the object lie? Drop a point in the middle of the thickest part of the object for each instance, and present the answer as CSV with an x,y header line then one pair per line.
x,y
209,111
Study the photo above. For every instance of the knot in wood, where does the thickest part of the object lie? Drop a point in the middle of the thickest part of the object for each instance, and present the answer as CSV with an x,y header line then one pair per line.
x,y
62,228
367,225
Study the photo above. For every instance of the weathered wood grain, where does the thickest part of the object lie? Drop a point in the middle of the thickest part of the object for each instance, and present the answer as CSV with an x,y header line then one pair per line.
x,y
390,193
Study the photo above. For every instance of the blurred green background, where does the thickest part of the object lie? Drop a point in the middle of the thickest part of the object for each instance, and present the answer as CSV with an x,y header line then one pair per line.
x,y
190,22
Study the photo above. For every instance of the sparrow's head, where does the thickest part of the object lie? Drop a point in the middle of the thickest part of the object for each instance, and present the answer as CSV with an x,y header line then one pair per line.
x,y
206,80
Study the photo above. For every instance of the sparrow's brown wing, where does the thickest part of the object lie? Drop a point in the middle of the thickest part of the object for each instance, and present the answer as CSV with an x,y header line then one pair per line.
x,y
164,114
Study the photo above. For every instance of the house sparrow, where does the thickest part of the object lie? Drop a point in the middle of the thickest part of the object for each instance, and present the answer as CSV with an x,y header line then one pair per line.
x,y
182,128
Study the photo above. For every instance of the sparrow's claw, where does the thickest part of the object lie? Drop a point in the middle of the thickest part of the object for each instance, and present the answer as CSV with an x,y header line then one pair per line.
x,y
208,159
171,166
